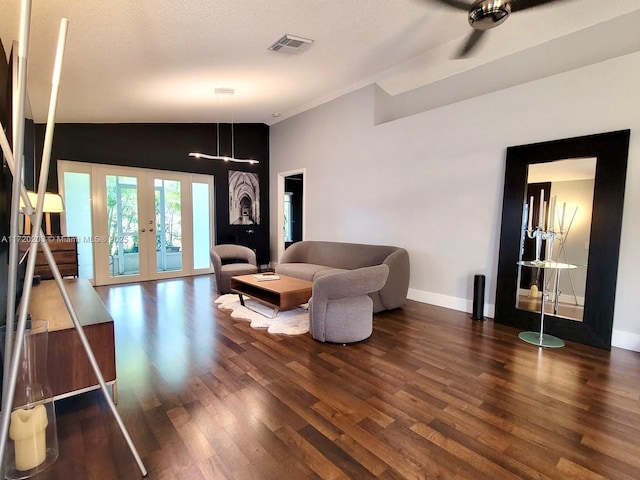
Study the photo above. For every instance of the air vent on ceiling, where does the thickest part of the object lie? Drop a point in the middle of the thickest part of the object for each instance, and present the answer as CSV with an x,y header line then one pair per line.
x,y
291,44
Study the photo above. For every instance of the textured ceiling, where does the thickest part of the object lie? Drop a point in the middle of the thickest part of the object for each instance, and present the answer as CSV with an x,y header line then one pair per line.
x,y
160,60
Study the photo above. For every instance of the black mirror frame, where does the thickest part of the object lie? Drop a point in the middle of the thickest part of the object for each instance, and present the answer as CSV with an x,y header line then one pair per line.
x,y
611,150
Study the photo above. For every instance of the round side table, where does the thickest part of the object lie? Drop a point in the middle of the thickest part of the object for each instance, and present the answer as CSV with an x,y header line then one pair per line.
x,y
540,338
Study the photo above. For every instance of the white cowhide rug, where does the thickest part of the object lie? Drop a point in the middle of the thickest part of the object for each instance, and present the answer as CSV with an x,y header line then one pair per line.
x,y
288,322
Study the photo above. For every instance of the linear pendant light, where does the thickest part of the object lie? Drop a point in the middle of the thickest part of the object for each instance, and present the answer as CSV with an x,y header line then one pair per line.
x,y
217,156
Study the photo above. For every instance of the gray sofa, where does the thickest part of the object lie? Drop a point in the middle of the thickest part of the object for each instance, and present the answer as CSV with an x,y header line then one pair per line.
x,y
311,260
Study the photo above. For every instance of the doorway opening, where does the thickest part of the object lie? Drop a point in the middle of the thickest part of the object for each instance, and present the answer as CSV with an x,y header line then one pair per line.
x,y
293,192
291,208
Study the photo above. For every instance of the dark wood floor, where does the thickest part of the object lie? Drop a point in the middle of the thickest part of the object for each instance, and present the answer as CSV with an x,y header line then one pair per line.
x,y
432,394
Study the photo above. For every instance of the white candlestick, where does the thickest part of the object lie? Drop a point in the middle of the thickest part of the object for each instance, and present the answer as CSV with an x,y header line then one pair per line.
x,y
564,206
552,213
530,224
542,208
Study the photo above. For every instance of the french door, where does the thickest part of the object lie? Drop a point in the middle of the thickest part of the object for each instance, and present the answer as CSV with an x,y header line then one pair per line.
x,y
146,224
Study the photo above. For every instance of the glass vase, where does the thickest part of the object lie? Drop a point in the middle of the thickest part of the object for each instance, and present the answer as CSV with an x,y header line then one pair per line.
x,y
32,445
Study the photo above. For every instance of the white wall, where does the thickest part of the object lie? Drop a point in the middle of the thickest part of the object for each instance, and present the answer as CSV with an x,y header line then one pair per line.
x,y
432,182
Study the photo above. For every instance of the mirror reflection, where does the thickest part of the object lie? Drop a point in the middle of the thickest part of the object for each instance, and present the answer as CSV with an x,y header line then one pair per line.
x,y
559,203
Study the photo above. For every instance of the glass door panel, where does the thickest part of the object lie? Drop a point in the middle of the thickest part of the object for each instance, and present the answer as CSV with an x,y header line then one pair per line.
x,y
78,218
122,225
168,210
201,209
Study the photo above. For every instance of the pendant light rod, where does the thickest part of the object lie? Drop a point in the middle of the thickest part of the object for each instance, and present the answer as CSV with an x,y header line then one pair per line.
x,y
221,157
223,91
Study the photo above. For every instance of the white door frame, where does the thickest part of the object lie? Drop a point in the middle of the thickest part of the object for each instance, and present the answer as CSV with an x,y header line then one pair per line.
x,y
147,270
280,205
100,231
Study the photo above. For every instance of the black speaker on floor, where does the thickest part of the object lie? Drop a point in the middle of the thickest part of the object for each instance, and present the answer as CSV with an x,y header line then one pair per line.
x,y
478,297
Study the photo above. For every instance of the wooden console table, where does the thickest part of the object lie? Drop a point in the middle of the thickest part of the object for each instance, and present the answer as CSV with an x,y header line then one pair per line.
x,y
69,370
64,251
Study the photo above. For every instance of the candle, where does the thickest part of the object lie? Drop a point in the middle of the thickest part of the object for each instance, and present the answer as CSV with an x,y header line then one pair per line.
x,y
564,206
542,208
552,213
27,430
530,213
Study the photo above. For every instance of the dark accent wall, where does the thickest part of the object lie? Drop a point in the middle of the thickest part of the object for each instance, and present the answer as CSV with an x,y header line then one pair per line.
x,y
5,185
5,91
166,147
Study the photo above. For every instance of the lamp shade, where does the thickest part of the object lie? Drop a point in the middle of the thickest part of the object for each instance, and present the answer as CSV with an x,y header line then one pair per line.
x,y
52,202
33,198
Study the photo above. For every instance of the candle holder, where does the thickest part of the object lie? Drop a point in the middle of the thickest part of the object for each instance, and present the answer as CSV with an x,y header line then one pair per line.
x,y
33,439
539,235
540,338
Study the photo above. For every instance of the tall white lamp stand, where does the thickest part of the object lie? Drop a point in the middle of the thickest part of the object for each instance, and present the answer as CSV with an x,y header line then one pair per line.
x,y
14,347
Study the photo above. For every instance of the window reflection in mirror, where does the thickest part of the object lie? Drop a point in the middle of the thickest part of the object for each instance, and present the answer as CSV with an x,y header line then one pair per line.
x,y
569,184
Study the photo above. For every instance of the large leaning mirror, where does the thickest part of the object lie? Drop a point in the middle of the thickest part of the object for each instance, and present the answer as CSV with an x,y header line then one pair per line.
x,y
564,188
574,187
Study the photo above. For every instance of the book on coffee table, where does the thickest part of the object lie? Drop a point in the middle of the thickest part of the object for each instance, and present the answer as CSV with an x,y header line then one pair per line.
x,y
265,277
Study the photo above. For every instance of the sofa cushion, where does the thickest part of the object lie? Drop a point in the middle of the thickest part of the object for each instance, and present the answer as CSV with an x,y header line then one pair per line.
x,y
223,278
305,271
336,254
328,271
235,269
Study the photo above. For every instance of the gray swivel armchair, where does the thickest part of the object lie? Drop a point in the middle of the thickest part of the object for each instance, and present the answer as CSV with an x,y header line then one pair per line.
x,y
230,261
340,309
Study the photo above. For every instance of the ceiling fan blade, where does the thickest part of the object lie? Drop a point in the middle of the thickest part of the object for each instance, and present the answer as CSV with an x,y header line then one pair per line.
x,y
470,44
457,4
517,5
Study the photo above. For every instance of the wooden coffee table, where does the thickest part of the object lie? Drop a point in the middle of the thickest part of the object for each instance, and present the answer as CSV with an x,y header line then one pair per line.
x,y
282,294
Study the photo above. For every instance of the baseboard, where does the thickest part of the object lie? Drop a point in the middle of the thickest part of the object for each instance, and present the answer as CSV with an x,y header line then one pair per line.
x,y
619,339
446,301
626,340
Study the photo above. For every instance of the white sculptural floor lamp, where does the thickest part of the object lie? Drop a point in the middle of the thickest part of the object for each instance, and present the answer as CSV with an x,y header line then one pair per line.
x,y
14,160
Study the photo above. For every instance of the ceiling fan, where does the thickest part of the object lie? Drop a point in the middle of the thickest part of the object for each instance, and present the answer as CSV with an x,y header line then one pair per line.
x,y
486,14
